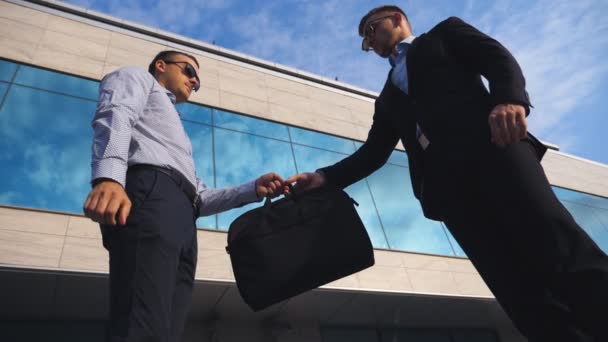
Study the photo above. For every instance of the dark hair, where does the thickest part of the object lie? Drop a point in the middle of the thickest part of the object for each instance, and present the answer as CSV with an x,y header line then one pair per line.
x,y
163,55
385,8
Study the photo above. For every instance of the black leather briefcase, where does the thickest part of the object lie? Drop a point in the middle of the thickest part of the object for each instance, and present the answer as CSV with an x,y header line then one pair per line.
x,y
296,244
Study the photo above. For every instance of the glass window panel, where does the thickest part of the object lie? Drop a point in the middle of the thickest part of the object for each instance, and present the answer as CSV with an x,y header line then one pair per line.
x,y
405,225
320,140
455,246
3,87
474,336
415,336
202,151
396,157
593,220
581,198
241,157
349,335
45,154
57,82
193,112
247,124
7,70
310,159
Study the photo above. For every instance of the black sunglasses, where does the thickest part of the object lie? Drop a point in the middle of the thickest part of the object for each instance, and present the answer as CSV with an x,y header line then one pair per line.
x,y
189,71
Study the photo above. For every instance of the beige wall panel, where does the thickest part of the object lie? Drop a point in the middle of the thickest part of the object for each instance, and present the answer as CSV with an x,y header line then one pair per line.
x,y
68,63
83,227
214,264
433,281
569,172
362,119
23,14
289,100
295,87
212,240
287,115
386,258
84,254
17,50
471,284
350,282
120,57
80,30
80,47
206,96
460,265
424,262
332,111
30,249
135,45
33,222
251,89
243,104
385,278
20,32
242,73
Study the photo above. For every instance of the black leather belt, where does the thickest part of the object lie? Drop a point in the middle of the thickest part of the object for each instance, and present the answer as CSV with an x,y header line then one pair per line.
x,y
180,180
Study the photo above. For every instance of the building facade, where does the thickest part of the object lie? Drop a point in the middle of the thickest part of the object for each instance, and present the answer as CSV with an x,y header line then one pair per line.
x,y
53,268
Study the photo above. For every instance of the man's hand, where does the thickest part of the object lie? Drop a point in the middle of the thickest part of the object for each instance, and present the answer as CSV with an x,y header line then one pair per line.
x,y
107,202
508,124
306,181
269,184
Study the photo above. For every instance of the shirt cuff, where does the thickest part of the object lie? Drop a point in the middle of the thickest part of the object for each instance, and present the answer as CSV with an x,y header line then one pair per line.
x,y
248,194
108,168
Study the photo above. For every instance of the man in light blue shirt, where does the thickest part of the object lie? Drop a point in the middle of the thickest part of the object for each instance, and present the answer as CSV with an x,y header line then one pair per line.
x,y
146,196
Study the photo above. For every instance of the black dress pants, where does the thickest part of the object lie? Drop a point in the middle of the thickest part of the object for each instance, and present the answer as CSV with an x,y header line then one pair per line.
x,y
152,261
544,270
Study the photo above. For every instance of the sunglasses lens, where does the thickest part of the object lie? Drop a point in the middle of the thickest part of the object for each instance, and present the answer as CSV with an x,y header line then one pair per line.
x,y
190,72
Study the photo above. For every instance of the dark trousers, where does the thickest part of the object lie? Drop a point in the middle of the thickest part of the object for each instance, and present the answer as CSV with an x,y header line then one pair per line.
x,y
152,261
544,270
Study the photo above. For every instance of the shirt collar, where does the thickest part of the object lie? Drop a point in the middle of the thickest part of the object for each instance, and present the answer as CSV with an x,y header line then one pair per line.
x,y
401,47
171,96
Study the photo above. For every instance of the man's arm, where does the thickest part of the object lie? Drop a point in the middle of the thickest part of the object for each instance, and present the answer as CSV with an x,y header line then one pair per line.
x,y
214,201
491,59
381,140
122,97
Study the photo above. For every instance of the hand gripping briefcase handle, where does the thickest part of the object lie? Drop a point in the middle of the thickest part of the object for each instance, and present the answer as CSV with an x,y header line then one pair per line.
x,y
296,244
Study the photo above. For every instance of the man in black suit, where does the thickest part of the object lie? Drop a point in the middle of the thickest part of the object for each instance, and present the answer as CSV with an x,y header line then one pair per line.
x,y
474,166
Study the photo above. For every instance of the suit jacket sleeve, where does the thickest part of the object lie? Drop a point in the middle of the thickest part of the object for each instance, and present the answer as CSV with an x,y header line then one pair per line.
x,y
484,54
381,141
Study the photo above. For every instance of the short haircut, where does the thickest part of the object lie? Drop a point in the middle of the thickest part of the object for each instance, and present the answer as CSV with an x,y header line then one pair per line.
x,y
385,8
163,55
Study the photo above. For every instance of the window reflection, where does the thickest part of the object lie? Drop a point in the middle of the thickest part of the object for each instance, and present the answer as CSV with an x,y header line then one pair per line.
x,y
56,82
309,159
7,70
202,152
320,140
250,125
45,153
590,212
196,113
242,157
3,88
405,226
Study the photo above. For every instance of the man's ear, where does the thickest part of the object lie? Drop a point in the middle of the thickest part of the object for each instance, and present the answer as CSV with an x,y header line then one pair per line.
x,y
160,66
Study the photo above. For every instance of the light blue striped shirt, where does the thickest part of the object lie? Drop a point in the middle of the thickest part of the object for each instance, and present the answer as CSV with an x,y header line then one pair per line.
x,y
136,123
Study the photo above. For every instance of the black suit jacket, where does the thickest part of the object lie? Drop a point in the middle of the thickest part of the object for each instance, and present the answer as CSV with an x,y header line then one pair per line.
x,y
449,101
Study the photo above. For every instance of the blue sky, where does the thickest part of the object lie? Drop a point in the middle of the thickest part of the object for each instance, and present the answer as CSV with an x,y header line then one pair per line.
x,y
562,46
